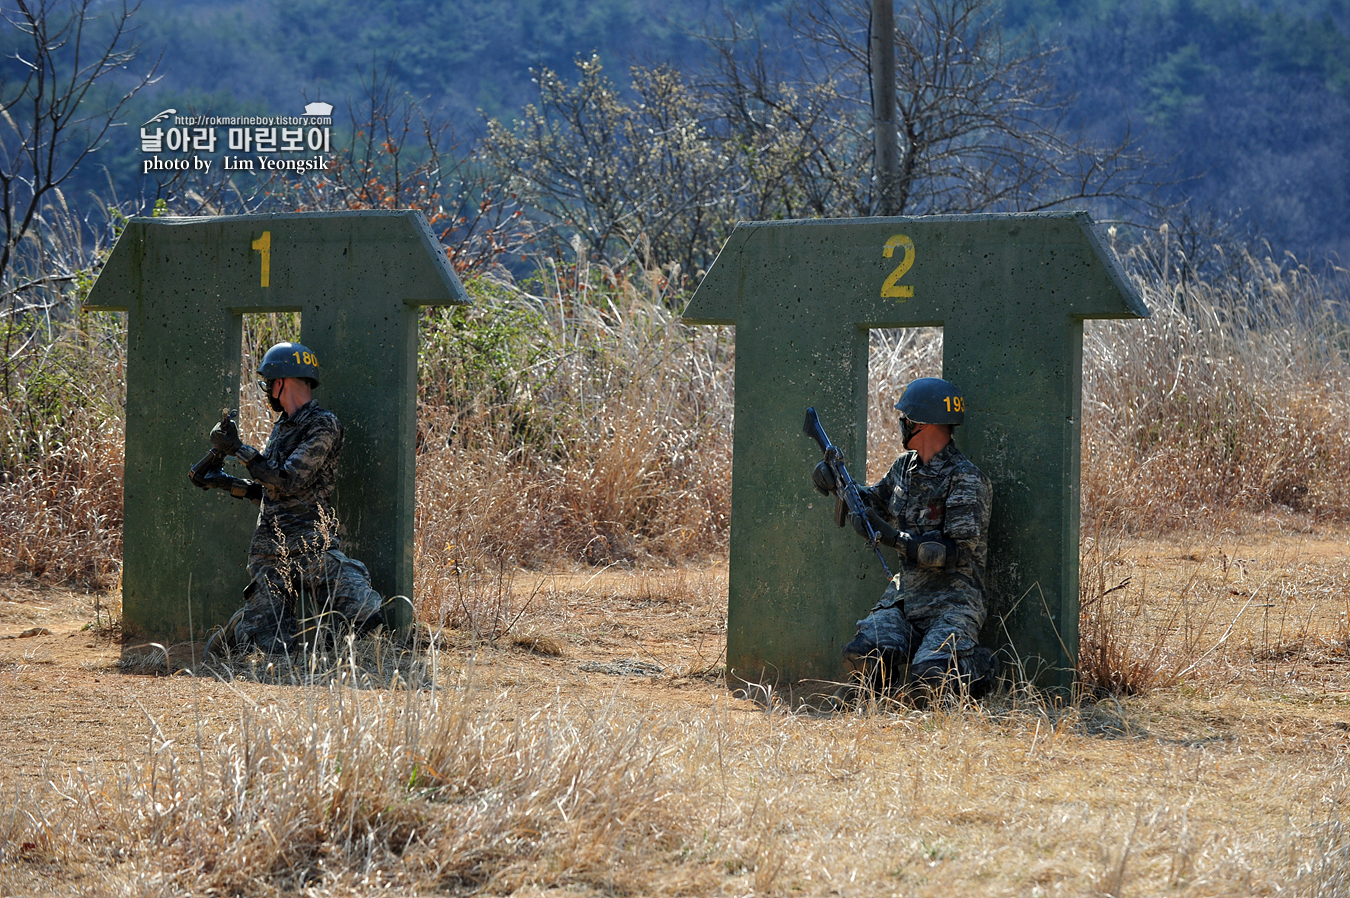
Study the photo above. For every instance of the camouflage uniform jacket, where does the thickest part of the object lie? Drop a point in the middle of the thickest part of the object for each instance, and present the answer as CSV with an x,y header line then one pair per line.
x,y
297,470
953,497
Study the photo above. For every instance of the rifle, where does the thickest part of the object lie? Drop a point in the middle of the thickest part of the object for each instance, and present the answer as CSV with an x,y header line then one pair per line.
x,y
209,472
848,488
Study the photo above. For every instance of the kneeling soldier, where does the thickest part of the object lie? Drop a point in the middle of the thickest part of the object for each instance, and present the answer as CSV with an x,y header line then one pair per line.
x,y
933,507
295,555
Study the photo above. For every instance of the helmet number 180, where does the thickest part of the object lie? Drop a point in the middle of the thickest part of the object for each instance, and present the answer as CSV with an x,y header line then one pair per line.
x,y
892,288
307,358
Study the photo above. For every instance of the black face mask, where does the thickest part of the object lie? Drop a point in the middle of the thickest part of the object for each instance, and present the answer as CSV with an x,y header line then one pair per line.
x,y
272,401
908,429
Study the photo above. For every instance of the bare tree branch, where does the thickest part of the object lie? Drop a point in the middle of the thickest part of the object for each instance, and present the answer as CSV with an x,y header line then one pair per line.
x,y
401,157
52,119
58,114
981,126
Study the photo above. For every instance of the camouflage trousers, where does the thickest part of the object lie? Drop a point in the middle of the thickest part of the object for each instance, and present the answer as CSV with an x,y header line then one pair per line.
x,y
290,596
890,649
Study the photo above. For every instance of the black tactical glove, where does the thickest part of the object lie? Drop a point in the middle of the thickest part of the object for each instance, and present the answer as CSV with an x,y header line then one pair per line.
x,y
235,486
225,437
824,479
886,534
870,499
932,550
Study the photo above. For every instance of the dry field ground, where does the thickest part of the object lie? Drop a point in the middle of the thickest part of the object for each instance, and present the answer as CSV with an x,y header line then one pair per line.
x,y
593,749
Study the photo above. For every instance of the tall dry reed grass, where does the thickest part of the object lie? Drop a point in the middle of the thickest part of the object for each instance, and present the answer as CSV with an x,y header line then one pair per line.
x,y
574,421
1230,401
61,447
62,407
895,357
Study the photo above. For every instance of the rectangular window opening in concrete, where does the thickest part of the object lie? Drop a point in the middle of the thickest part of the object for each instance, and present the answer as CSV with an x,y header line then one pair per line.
x,y
895,356
261,331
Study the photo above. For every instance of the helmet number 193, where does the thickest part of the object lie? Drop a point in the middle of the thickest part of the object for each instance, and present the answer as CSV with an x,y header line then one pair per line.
x,y
892,288
954,403
264,246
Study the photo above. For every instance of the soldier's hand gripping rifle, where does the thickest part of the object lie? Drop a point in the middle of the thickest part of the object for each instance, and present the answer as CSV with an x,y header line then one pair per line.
x,y
209,473
847,487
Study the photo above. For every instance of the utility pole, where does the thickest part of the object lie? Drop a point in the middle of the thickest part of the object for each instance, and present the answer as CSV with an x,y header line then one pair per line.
x,y
885,139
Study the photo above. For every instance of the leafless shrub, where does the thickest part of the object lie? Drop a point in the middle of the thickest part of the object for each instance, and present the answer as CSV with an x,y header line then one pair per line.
x,y
54,116
398,154
402,156
979,129
637,177
776,133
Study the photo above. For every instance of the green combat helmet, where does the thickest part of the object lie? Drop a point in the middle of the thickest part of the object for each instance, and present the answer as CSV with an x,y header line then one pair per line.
x,y
287,360
290,360
931,400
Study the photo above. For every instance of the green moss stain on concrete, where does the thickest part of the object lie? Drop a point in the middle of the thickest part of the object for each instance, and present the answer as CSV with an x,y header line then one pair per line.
x,y
1011,293
357,278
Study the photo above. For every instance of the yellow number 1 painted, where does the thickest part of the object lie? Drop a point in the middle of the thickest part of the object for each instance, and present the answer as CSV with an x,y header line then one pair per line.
x,y
891,289
264,245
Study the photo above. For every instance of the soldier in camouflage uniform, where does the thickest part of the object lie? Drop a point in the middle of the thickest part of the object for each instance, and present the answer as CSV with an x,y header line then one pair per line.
x,y
933,507
294,558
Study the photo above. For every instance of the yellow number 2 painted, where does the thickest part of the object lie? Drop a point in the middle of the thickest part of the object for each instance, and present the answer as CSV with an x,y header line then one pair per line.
x,y
892,289
264,245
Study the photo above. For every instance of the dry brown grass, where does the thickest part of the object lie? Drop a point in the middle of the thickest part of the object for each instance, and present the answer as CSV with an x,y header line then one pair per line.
x,y
521,773
1231,610
350,790
1229,401
580,424
61,447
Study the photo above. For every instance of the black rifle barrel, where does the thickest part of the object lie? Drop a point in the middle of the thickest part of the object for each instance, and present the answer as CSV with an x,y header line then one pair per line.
x,y
848,488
